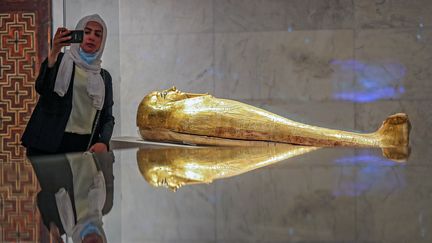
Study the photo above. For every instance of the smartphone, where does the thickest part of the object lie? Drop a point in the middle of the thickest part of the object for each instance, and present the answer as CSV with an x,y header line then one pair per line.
x,y
77,36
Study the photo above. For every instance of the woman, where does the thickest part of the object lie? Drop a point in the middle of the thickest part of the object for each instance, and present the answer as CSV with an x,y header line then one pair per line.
x,y
74,111
76,191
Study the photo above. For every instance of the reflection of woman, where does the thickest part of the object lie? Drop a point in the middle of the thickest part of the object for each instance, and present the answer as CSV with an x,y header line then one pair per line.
x,y
74,111
76,190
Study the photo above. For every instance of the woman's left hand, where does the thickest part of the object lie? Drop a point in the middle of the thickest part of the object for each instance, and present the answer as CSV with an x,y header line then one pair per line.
x,y
98,148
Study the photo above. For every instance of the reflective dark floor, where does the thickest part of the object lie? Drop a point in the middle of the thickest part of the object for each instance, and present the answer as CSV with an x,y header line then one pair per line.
x,y
161,193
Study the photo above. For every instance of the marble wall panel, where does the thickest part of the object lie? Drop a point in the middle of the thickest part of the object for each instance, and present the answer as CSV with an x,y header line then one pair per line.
x,y
156,214
392,13
395,205
157,62
111,62
167,16
281,65
281,205
279,15
249,15
57,13
319,14
393,64
108,10
370,116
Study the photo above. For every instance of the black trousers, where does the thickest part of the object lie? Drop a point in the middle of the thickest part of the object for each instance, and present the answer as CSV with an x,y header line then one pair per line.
x,y
71,142
53,172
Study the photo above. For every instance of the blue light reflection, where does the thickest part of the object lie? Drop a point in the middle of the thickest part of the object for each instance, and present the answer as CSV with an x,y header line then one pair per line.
x,y
371,173
366,159
373,81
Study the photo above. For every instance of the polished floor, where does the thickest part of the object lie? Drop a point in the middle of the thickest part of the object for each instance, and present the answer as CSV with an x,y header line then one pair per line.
x,y
170,193
325,195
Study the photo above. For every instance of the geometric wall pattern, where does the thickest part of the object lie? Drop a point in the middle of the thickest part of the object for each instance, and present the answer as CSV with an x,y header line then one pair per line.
x,y
24,32
19,217
18,69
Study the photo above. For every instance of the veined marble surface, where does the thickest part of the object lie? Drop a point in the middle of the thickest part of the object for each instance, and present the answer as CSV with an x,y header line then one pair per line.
x,y
166,16
331,194
395,59
281,65
285,51
392,13
325,195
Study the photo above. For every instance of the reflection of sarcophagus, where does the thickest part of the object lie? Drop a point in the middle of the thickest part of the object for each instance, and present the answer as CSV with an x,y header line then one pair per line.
x,y
172,115
174,167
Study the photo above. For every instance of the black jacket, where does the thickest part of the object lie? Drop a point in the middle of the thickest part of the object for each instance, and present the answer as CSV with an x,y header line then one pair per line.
x,y
47,124
54,173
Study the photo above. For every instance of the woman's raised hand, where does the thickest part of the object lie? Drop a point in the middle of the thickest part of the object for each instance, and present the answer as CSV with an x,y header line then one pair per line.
x,y
61,35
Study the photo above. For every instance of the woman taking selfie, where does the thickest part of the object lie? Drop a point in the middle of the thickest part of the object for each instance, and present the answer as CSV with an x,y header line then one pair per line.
x,y
74,110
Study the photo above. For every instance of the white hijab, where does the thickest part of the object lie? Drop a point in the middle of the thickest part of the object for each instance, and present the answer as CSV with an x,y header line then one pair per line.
x,y
95,84
96,198
91,184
